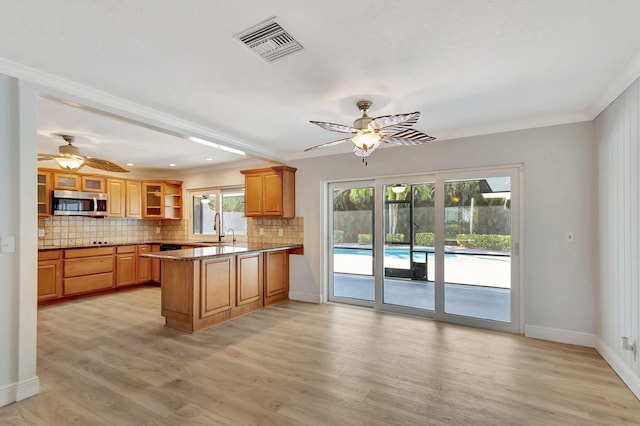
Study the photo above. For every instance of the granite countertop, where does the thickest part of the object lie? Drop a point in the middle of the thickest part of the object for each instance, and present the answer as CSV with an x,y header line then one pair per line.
x,y
227,249
133,243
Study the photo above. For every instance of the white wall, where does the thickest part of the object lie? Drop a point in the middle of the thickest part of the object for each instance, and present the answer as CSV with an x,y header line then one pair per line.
x,y
616,132
19,268
559,196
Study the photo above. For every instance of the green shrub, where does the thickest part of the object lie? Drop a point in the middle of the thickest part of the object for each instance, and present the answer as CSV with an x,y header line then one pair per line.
x,y
365,238
485,241
425,239
395,238
338,236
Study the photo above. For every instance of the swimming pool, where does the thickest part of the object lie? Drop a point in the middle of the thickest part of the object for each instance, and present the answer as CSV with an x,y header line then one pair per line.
x,y
394,253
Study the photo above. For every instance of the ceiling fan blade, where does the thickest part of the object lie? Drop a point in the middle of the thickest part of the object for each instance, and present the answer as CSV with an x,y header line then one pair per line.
x,y
98,163
402,120
408,137
322,145
335,127
46,156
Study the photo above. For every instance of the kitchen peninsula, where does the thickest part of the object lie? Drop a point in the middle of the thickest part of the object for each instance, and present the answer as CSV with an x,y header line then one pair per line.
x,y
202,287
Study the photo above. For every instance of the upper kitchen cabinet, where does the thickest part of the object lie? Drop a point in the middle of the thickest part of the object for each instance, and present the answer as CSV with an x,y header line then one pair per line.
x,y
92,184
66,181
44,189
269,192
162,199
172,200
123,198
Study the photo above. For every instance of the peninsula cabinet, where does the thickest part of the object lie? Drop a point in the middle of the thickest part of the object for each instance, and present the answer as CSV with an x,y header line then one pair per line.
x,y
249,282
49,275
276,277
269,192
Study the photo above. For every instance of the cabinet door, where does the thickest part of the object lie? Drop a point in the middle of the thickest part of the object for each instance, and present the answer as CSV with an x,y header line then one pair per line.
x,y
253,194
155,265
125,269
152,200
276,276
249,278
44,194
133,203
92,184
116,198
66,181
216,285
144,265
272,188
49,279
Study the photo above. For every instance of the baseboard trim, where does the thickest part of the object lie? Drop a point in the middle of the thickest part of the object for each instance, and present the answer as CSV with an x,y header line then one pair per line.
x,y
19,391
305,297
623,371
561,336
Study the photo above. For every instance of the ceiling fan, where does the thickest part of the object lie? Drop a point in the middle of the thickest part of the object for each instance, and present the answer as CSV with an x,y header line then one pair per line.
x,y
369,132
70,159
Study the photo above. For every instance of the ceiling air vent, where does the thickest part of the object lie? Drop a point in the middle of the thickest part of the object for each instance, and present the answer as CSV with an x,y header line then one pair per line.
x,y
269,41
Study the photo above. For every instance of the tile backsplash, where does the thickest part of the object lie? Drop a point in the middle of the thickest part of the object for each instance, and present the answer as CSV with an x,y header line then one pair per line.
x,y
70,231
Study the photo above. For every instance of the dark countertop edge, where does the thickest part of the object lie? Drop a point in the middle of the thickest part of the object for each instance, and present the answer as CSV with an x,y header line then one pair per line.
x,y
189,255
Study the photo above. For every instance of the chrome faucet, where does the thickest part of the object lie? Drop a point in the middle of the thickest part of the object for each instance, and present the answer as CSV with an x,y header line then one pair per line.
x,y
233,235
218,226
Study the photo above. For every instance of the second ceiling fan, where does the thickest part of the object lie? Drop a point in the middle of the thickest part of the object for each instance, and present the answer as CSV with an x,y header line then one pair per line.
x,y
368,133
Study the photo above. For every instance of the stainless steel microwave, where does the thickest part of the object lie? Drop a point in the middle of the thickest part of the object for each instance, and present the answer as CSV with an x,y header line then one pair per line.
x,y
76,203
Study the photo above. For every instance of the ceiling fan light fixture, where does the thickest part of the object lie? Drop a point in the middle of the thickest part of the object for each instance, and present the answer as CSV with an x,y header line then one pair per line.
x,y
70,163
366,140
205,200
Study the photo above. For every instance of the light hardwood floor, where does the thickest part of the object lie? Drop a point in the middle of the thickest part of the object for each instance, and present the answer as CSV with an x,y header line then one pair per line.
x,y
109,361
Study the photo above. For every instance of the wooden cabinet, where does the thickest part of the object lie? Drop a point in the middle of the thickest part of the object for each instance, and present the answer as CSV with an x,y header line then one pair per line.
x,y
143,269
155,265
49,275
152,199
66,181
116,197
133,201
269,192
126,261
172,200
88,269
92,184
276,276
249,279
44,194
217,279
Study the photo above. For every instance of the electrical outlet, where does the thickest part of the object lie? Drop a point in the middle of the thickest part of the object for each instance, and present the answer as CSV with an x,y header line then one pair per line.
x,y
157,229
41,233
280,232
261,232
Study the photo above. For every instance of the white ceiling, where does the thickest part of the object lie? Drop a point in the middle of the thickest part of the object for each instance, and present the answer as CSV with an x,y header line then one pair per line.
x,y
469,66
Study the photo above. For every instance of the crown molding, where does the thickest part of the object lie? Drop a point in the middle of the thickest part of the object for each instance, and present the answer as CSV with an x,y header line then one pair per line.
x,y
625,78
60,89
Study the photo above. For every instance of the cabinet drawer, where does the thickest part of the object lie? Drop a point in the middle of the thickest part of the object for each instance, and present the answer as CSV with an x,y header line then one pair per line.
x,y
88,266
125,249
87,252
48,254
88,283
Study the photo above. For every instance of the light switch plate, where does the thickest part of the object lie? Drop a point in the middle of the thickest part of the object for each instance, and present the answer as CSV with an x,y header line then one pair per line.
x,y
8,244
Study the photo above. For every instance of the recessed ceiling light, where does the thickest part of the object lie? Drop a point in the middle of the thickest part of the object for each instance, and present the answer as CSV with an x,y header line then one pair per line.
x,y
209,159
215,145
130,164
171,165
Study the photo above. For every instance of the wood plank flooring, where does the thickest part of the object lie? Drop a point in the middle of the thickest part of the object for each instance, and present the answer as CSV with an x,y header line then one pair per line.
x,y
108,360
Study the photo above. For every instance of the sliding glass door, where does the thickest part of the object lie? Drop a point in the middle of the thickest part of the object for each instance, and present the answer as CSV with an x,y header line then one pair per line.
x,y
442,246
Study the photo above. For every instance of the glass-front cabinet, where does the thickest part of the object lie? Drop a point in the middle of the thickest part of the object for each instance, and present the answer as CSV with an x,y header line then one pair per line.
x,y
152,199
44,188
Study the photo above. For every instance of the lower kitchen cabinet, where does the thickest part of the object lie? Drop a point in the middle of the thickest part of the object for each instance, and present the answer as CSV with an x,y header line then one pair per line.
x,y
249,279
143,270
155,265
126,260
49,275
276,277
87,269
